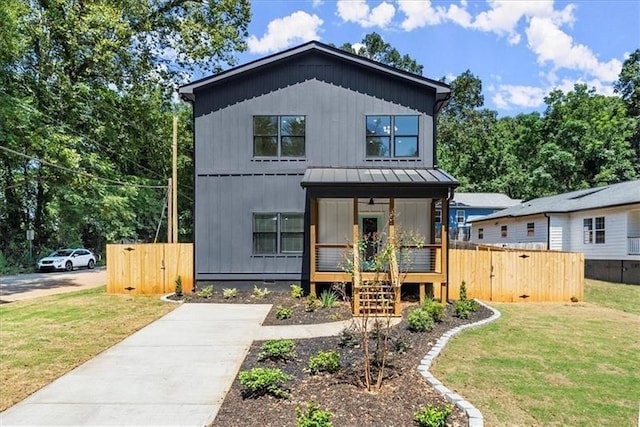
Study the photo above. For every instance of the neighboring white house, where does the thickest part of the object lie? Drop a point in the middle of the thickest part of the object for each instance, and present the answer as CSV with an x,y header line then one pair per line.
x,y
603,223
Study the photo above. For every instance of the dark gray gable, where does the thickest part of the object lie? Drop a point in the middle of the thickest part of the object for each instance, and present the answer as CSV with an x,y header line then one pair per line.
x,y
321,63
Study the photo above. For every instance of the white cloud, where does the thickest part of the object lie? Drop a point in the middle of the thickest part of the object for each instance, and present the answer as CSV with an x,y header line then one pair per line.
x,y
359,12
299,27
317,3
551,44
520,96
419,14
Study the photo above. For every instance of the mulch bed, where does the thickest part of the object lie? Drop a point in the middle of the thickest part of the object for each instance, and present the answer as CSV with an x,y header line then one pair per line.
x,y
403,392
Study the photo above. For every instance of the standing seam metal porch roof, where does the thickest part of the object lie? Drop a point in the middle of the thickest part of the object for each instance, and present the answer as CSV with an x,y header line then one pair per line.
x,y
377,176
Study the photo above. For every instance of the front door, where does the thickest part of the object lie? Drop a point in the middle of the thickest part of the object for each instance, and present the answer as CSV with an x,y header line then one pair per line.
x,y
370,236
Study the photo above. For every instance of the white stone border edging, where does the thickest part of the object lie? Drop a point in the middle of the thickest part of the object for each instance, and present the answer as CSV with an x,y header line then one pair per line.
x,y
475,416
165,298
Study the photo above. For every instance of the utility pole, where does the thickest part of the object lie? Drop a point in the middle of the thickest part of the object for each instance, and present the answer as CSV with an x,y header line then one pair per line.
x,y
169,211
174,188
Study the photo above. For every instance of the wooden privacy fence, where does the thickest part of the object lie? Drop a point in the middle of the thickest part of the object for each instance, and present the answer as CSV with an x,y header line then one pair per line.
x,y
516,276
149,268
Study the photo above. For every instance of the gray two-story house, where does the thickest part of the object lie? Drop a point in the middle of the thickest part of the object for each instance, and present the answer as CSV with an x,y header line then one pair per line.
x,y
301,153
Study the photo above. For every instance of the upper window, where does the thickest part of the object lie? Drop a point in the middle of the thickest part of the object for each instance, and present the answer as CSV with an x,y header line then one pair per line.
x,y
587,230
503,231
599,229
278,136
531,229
480,233
438,218
460,216
275,233
392,136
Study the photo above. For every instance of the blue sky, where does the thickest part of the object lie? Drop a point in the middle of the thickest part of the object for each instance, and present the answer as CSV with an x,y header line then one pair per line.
x,y
520,49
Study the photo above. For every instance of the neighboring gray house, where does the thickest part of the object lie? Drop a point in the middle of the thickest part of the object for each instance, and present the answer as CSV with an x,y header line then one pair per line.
x,y
300,152
602,222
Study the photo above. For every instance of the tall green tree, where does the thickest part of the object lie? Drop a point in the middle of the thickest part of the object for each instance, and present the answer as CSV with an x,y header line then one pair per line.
x,y
87,86
374,47
628,86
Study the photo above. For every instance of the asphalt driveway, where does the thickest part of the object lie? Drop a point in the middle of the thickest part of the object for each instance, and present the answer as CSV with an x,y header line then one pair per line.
x,y
33,285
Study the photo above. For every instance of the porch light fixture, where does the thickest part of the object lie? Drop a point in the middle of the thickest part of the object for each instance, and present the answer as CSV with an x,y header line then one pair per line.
x,y
370,201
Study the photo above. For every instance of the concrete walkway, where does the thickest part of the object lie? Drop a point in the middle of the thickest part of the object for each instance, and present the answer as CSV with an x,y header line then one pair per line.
x,y
176,371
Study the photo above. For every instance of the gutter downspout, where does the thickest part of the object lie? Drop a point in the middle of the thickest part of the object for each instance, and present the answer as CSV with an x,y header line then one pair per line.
x,y
546,215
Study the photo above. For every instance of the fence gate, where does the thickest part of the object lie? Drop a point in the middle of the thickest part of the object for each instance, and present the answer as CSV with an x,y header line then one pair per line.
x,y
512,276
149,268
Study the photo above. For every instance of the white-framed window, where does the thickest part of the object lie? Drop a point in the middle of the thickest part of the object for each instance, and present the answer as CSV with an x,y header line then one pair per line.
x,y
480,233
438,217
392,136
599,229
531,229
587,230
460,216
503,231
279,136
278,233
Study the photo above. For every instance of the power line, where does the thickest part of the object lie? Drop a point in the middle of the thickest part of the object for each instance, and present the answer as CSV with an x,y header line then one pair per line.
x,y
79,172
93,141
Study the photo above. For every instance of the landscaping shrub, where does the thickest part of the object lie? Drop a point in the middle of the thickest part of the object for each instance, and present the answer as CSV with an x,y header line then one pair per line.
x,y
228,293
206,292
420,320
260,293
311,304
325,361
278,350
260,381
283,313
312,416
464,307
435,309
328,299
433,416
296,291
178,291
350,336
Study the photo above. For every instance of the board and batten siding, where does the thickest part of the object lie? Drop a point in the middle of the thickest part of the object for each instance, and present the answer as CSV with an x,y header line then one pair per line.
x,y
616,221
335,131
224,225
516,231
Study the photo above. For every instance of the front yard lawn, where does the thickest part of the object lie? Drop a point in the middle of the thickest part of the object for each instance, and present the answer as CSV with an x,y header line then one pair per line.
x,y
553,364
43,338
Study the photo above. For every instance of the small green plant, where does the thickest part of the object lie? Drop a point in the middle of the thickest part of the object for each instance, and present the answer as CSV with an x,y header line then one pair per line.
x,y
283,313
350,336
435,309
260,293
325,361
178,291
420,320
260,381
188,298
228,293
574,299
335,316
433,416
464,307
278,350
400,345
328,299
296,291
311,304
206,292
312,416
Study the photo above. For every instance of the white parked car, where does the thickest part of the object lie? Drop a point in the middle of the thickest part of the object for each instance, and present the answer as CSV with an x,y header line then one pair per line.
x,y
67,259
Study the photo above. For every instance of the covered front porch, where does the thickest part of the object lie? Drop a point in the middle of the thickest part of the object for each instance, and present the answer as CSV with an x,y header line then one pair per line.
x,y
354,205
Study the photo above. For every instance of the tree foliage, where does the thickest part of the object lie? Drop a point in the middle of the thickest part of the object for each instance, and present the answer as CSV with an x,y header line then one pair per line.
x,y
86,92
374,47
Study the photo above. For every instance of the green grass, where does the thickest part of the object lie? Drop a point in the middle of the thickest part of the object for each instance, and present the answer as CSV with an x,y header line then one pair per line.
x,y
553,364
46,337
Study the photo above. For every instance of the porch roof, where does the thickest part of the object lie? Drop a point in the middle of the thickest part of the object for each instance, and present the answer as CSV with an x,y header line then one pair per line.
x,y
378,181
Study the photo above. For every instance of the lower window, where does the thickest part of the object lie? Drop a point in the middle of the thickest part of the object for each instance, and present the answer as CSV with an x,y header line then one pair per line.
x,y
278,233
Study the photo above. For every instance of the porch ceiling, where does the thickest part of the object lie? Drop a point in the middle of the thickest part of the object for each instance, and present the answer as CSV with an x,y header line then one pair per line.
x,y
378,182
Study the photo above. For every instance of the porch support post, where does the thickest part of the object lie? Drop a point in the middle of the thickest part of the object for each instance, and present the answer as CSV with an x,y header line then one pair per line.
x,y
432,238
313,240
445,249
393,265
356,260
422,292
